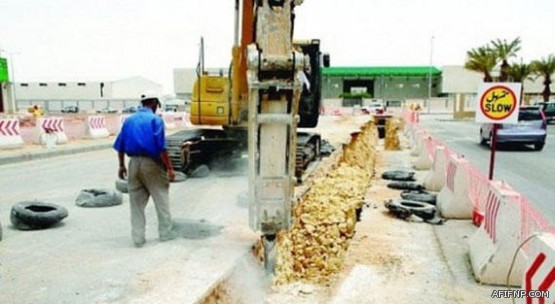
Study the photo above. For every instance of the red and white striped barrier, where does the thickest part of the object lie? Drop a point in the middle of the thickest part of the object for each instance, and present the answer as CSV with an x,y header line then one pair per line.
x,y
50,126
495,242
10,137
435,178
539,276
453,200
96,127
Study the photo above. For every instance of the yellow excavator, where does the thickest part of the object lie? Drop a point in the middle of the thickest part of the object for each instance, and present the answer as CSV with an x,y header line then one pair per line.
x,y
273,87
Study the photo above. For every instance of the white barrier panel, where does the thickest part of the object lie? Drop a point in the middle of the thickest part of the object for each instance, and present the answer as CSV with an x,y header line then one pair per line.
x,y
417,143
424,161
453,200
539,276
10,137
96,127
435,178
50,126
492,247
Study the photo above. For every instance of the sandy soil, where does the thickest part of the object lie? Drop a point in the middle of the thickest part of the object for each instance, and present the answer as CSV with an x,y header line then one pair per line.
x,y
391,260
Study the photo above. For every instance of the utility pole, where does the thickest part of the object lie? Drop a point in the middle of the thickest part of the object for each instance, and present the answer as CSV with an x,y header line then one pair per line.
x,y
430,72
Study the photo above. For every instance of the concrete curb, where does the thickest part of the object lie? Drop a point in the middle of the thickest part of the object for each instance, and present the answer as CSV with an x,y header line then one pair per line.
x,y
42,154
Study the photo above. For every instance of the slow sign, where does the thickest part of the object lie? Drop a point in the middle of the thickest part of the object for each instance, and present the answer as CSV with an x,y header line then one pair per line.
x,y
498,102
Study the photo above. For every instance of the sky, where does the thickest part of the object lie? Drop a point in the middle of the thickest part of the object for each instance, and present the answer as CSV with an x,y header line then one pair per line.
x,y
87,40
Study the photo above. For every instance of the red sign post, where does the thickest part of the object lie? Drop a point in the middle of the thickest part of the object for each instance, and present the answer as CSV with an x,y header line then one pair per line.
x,y
498,103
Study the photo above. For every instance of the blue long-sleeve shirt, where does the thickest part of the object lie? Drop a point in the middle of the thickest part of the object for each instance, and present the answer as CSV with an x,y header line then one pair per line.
x,y
142,134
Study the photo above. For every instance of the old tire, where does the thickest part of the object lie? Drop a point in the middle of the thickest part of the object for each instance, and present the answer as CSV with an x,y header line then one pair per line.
x,y
398,175
405,186
36,215
404,208
420,196
98,198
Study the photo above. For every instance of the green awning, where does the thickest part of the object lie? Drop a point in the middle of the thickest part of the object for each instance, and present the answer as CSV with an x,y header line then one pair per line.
x,y
381,71
4,77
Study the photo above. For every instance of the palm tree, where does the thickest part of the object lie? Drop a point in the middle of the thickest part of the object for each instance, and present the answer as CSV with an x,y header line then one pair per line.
x,y
503,51
519,73
545,67
481,60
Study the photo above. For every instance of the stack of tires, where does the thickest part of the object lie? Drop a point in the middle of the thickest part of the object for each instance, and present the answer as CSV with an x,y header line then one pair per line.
x,y
414,199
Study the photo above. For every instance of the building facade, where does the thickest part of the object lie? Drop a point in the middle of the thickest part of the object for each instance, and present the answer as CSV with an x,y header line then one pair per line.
x,y
87,95
386,83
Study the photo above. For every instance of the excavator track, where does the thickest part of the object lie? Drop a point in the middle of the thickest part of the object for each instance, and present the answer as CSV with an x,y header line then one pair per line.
x,y
308,150
191,148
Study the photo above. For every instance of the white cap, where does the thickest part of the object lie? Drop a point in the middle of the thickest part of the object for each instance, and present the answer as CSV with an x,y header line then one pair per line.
x,y
150,95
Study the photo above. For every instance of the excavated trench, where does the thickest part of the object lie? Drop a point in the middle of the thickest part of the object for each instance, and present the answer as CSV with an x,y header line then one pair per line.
x,y
328,205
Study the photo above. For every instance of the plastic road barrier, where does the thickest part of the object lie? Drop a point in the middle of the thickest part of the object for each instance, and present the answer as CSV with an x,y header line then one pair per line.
x,y
424,160
418,143
48,129
435,178
96,127
493,245
453,200
539,276
10,137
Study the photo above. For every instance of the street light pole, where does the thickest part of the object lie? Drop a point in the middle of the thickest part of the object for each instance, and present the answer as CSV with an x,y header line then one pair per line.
x,y
13,81
430,72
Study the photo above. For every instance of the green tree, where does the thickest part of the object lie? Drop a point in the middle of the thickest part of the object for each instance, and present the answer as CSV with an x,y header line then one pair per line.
x,y
481,60
519,73
545,67
503,51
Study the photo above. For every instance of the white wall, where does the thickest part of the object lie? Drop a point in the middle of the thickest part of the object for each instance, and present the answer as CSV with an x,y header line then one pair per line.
x,y
133,87
130,88
57,90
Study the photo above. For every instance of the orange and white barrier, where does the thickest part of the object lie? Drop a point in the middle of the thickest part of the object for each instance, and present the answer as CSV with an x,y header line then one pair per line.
x,y
10,136
453,200
435,178
424,161
96,127
50,126
494,244
538,280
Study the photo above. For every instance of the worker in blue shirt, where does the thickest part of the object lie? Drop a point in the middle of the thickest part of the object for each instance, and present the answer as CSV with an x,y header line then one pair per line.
x,y
142,138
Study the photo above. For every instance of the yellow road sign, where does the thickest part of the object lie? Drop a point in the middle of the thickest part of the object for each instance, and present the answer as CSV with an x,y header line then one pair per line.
x,y
498,103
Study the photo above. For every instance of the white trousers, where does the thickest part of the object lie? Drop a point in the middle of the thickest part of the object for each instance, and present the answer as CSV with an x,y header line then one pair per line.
x,y
147,178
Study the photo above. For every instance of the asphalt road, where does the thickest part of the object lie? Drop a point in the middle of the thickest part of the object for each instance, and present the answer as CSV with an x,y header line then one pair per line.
x,y
89,256
529,172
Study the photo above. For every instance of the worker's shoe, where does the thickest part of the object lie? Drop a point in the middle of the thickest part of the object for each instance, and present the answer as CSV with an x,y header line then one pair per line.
x,y
168,237
139,244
